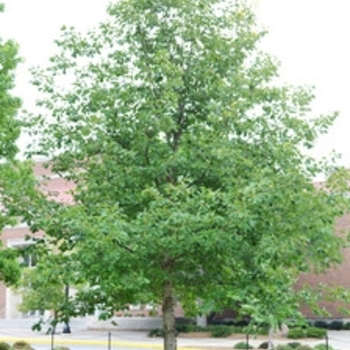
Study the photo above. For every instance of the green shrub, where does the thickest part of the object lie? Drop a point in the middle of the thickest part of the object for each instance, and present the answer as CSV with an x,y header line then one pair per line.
x,y
4,346
182,328
242,345
346,326
21,345
295,324
314,332
296,333
322,347
256,330
321,324
311,332
237,329
336,325
263,330
199,328
241,323
294,344
304,347
264,345
284,347
155,332
186,328
220,331
195,328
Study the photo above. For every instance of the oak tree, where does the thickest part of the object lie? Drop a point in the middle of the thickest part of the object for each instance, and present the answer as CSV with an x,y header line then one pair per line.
x,y
188,158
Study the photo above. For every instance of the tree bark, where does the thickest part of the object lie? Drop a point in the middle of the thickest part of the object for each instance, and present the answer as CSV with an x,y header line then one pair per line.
x,y
168,306
201,320
271,346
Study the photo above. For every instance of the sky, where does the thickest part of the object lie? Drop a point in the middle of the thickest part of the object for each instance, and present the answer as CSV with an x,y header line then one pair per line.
x,y
309,37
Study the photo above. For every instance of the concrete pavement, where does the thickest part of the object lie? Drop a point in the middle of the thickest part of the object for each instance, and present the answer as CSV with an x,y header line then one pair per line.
x,y
93,340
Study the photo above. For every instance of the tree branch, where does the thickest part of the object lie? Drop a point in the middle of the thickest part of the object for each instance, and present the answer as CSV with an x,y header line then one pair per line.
x,y
123,246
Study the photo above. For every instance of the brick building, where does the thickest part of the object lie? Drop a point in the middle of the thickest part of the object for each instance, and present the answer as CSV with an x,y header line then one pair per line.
x,y
336,276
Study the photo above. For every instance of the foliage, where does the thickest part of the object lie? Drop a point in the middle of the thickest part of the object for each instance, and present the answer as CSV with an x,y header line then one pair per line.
x,y
309,332
294,344
242,345
284,347
5,346
323,347
241,323
264,345
9,267
220,331
9,125
186,328
40,291
195,328
346,326
9,132
183,152
313,332
237,329
46,285
21,345
156,332
183,328
304,347
297,333
254,329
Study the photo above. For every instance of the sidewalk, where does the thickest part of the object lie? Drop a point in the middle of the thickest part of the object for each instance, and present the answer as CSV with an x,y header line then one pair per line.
x,y
121,339
140,340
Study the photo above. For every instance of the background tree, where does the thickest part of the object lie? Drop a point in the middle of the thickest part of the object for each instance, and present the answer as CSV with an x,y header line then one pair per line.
x,y
39,292
45,286
190,177
9,132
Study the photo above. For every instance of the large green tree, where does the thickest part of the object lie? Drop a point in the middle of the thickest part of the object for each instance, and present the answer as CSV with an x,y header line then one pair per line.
x,y
9,132
187,155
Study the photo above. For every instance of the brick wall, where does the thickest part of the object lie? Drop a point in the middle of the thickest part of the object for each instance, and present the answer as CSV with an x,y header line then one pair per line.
x,y
338,275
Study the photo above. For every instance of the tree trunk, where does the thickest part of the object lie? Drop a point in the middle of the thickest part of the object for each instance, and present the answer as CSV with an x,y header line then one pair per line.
x,y
270,347
169,316
201,320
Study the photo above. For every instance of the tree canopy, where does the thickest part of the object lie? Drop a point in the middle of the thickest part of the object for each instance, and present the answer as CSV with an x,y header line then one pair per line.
x,y
9,132
187,155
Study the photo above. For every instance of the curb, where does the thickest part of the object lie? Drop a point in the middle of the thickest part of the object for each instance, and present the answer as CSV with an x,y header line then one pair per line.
x,y
65,342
